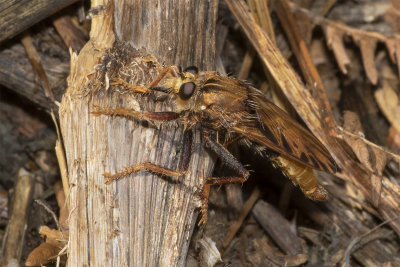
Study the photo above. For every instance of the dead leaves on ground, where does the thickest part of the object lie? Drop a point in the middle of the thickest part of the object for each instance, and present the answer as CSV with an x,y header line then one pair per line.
x,y
389,104
55,239
364,170
49,250
373,158
336,33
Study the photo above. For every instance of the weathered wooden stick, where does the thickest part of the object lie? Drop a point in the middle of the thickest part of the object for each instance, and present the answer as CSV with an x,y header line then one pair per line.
x,y
142,219
14,237
17,16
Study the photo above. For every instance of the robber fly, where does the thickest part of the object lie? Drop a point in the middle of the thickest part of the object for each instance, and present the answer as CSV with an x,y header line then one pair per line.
x,y
228,109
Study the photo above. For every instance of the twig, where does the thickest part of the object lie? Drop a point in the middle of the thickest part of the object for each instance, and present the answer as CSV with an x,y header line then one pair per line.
x,y
14,236
41,203
245,211
60,153
357,242
308,69
37,66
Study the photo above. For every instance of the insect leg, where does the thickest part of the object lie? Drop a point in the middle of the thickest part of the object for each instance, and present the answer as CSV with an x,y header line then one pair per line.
x,y
232,162
186,153
135,89
228,159
183,163
142,166
173,70
170,69
140,115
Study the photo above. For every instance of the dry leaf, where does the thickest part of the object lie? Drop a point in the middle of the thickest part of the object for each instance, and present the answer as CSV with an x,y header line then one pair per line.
x,y
41,255
393,15
334,40
55,240
388,102
47,251
334,33
52,236
367,46
393,47
393,139
372,158
376,184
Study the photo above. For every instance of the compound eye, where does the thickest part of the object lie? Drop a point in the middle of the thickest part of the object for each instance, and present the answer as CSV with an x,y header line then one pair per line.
x,y
186,90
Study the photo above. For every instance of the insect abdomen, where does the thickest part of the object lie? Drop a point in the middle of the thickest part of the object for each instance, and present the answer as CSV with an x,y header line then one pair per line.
x,y
302,176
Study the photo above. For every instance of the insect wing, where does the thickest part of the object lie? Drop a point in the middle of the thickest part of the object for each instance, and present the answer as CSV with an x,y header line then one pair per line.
x,y
279,132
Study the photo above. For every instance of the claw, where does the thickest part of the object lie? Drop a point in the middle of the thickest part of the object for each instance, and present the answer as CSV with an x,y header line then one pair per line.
x,y
109,178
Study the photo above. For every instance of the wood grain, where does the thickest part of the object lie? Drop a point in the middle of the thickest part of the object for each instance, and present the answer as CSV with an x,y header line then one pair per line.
x,y
277,227
16,73
142,219
17,16
180,33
